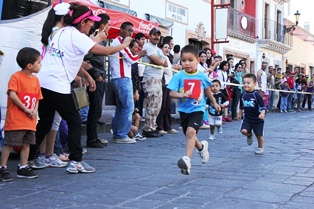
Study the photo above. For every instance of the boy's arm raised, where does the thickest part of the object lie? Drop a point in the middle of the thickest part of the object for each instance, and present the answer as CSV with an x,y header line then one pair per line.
x,y
178,95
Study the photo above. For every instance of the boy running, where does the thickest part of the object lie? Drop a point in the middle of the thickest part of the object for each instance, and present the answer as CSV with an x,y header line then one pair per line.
x,y
189,85
215,117
254,112
20,122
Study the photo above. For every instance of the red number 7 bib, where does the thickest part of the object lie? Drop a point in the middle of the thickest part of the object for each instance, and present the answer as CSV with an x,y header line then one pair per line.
x,y
28,99
194,86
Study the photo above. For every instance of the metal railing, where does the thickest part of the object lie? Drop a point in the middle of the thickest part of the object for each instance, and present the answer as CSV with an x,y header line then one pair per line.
x,y
274,31
234,23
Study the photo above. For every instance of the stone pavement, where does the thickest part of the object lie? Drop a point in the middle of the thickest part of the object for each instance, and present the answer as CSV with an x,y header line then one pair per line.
x,y
145,174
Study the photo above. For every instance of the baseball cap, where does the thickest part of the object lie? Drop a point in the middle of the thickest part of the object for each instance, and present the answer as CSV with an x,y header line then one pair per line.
x,y
154,30
62,8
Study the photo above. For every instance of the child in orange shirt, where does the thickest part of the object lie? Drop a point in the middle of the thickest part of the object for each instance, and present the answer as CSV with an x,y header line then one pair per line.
x,y
20,123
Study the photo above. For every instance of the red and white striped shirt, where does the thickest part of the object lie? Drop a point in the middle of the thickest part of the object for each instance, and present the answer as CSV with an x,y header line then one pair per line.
x,y
120,62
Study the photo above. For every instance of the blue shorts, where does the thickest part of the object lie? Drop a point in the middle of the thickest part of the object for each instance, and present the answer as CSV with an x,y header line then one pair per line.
x,y
257,127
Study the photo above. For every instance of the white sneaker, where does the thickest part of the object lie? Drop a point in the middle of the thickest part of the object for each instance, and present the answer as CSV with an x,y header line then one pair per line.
x,y
211,137
204,153
36,164
54,162
249,139
204,126
259,151
220,131
42,160
184,163
125,141
172,131
79,167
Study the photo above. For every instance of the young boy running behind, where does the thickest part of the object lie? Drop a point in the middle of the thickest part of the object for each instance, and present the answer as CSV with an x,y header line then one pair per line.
x,y
215,117
20,122
254,112
189,86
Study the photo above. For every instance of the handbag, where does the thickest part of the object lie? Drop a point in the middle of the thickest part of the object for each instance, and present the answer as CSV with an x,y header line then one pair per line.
x,y
79,94
80,97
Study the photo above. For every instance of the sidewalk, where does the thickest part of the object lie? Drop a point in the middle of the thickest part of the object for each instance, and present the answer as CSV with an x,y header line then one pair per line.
x,y
145,174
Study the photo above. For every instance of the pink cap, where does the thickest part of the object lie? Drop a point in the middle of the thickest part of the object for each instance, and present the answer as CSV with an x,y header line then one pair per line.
x,y
87,15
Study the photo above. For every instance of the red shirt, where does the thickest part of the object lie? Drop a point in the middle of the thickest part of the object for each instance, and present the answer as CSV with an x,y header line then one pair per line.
x,y
290,81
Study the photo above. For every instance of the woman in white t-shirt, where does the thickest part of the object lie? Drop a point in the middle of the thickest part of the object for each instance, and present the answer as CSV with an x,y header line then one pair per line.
x,y
46,156
163,120
60,65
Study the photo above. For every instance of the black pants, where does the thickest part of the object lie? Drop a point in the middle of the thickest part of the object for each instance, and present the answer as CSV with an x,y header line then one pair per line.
x,y
163,120
63,103
307,97
235,101
95,111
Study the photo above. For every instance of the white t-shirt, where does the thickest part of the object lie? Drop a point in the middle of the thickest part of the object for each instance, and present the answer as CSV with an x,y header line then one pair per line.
x,y
168,72
201,68
263,81
121,68
222,77
63,59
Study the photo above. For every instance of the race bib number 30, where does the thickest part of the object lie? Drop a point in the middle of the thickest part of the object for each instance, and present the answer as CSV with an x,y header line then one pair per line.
x,y
194,86
28,99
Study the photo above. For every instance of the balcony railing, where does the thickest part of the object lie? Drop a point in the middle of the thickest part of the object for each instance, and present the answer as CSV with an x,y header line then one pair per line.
x,y
235,25
275,31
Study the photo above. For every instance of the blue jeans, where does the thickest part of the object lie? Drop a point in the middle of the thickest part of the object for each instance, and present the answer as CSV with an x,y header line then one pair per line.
x,y
270,99
125,106
290,100
299,100
283,103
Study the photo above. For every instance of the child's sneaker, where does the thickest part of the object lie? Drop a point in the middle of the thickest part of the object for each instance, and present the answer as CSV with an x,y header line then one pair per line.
x,y
211,137
26,173
184,163
259,151
36,164
220,131
249,139
139,137
5,174
204,153
54,162
82,167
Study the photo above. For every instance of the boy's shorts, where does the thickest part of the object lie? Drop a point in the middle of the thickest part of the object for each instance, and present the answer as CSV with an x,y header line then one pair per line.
x,y
194,120
18,138
215,120
258,127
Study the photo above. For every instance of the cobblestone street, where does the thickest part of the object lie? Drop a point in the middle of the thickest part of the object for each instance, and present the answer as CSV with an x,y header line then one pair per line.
x,y
145,174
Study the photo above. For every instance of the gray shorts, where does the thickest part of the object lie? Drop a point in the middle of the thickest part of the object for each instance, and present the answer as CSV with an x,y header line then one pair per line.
x,y
18,138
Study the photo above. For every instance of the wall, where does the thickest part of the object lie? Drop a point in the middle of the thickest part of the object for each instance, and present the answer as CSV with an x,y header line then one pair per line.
x,y
301,54
198,11
16,34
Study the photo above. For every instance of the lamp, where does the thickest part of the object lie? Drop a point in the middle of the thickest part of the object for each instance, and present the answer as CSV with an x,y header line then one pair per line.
x,y
297,17
263,55
292,28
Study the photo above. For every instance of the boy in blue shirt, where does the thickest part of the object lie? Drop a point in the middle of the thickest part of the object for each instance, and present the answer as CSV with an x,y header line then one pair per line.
x,y
254,112
189,86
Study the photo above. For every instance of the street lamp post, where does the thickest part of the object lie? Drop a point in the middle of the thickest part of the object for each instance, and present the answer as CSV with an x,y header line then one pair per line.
x,y
292,28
